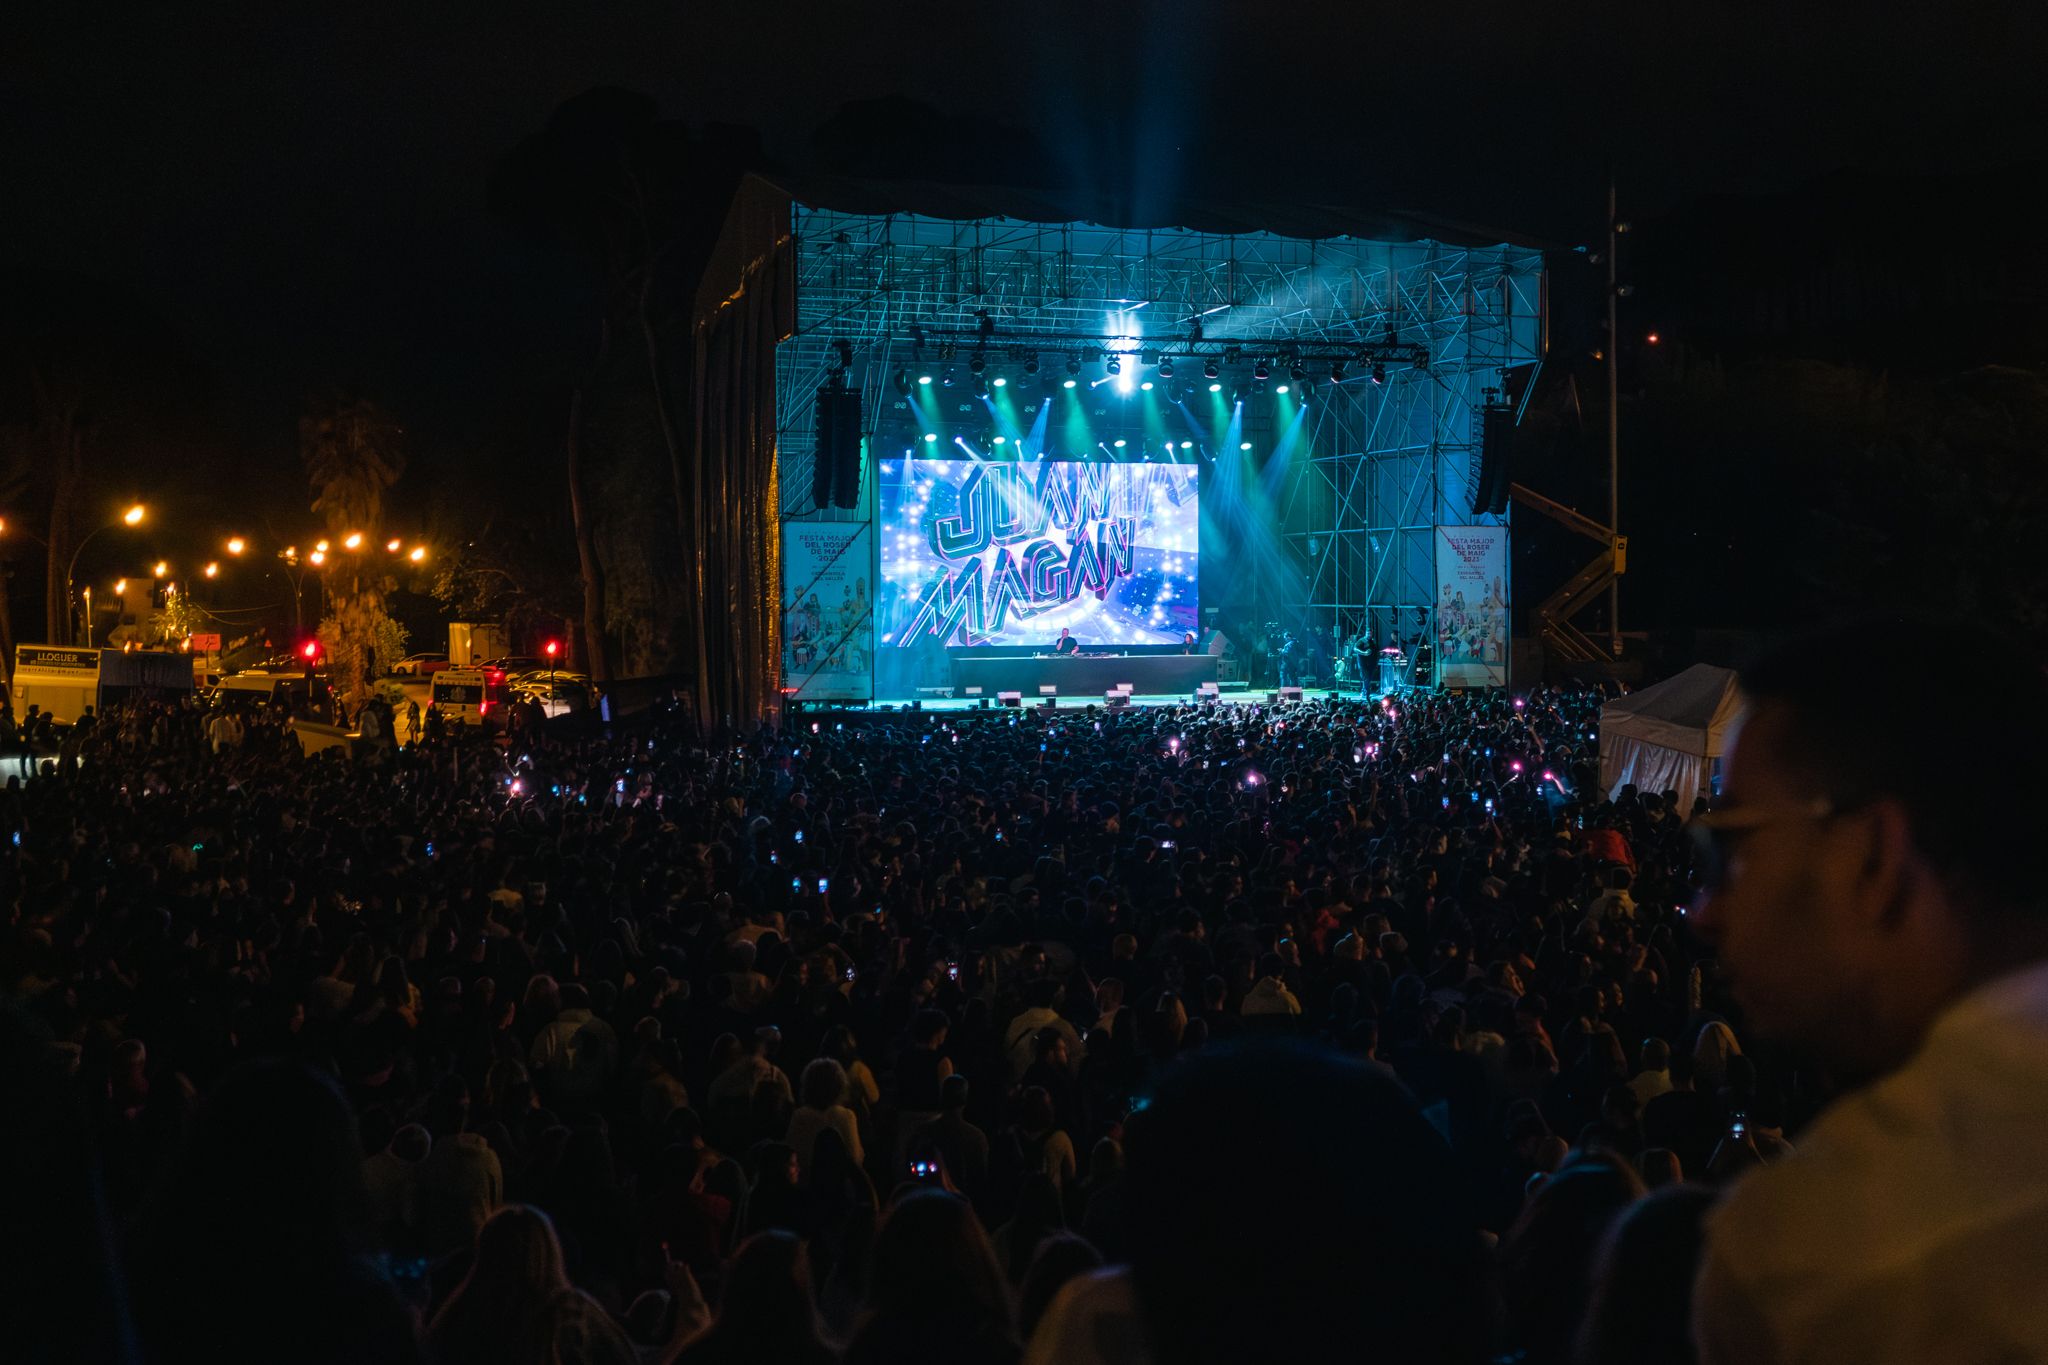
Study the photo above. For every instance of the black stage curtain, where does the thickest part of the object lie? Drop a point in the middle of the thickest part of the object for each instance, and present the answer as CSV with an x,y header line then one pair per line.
x,y
727,502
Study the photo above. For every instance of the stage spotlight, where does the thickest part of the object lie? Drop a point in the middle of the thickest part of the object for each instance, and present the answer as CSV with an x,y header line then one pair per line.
x,y
1146,386
1336,372
1259,371
930,437
1379,373
1120,443
1114,367
1068,382
999,382
1031,364
1280,388
1073,364
1210,369
1244,445
924,379
1166,367
1296,373
902,382
1215,386
1002,440
1187,445
977,363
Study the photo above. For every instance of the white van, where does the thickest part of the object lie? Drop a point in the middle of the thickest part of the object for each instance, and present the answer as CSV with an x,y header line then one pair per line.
x,y
469,696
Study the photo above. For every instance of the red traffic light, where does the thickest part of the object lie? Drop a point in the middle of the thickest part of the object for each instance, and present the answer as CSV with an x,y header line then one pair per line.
x,y
310,650
554,647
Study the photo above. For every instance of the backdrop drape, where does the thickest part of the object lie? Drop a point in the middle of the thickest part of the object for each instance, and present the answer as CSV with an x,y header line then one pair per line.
x,y
726,497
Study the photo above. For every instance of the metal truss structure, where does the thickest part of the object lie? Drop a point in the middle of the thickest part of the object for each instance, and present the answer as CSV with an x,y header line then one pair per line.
x,y
1419,329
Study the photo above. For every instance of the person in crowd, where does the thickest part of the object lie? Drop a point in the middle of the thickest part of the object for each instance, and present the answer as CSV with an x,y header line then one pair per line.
x,y
823,1110
766,1312
964,1146
1876,921
1060,1258
254,1243
516,1304
1547,1256
935,1291
1640,1308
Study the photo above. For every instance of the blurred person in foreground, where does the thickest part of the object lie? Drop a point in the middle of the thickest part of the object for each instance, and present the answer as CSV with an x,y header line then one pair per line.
x,y
1874,887
1282,1203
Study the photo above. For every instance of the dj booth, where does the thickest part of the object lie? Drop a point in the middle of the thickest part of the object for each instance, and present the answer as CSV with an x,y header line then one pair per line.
x,y
1165,672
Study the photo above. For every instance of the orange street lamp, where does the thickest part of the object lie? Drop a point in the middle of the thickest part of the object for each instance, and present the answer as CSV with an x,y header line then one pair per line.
x,y
213,570
120,586
321,546
392,545
318,557
131,517
236,545
352,541
162,568
418,555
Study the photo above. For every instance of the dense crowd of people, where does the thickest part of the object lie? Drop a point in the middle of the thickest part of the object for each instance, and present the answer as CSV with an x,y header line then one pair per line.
x,y
1319,1031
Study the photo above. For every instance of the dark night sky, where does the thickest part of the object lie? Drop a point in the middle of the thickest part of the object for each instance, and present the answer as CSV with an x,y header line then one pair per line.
x,y
301,195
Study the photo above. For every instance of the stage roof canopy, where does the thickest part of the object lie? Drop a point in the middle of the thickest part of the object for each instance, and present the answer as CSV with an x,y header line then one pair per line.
x,y
763,203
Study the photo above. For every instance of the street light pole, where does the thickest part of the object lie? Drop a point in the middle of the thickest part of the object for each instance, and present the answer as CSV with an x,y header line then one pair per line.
x,y
132,517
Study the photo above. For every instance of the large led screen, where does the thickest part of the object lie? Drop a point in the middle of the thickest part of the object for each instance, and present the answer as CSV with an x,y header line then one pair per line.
x,y
982,553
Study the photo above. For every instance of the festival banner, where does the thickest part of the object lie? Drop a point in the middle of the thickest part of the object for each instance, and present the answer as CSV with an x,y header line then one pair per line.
x,y
1472,605
828,619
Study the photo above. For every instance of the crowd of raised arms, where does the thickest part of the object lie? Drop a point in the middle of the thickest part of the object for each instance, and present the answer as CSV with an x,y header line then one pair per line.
x,y
926,1036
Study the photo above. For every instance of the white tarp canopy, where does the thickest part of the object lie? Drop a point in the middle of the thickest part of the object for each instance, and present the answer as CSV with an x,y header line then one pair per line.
x,y
1669,737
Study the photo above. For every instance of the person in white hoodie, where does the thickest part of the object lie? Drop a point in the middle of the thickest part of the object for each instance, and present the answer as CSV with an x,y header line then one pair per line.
x,y
1269,995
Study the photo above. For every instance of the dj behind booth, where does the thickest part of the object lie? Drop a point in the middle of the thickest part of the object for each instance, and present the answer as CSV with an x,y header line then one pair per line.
x,y
1076,669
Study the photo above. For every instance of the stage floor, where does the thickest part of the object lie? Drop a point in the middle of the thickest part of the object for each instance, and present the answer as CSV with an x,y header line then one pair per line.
x,y
1064,703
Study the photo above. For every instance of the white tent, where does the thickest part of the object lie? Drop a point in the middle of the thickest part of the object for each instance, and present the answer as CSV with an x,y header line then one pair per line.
x,y
1669,737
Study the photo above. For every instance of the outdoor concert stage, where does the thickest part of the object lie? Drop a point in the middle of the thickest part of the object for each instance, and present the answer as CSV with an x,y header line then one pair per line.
x,y
997,416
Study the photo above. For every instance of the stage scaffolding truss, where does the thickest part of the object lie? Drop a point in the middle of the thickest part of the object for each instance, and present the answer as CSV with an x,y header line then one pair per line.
x,y
1420,330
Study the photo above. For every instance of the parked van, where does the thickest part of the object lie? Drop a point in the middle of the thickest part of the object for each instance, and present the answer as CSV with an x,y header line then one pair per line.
x,y
469,696
254,688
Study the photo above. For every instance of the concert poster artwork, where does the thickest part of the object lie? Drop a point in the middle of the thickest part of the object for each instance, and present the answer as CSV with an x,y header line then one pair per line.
x,y
827,611
1472,605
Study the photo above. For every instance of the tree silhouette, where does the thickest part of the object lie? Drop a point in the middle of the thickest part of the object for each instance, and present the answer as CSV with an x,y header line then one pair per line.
x,y
351,452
